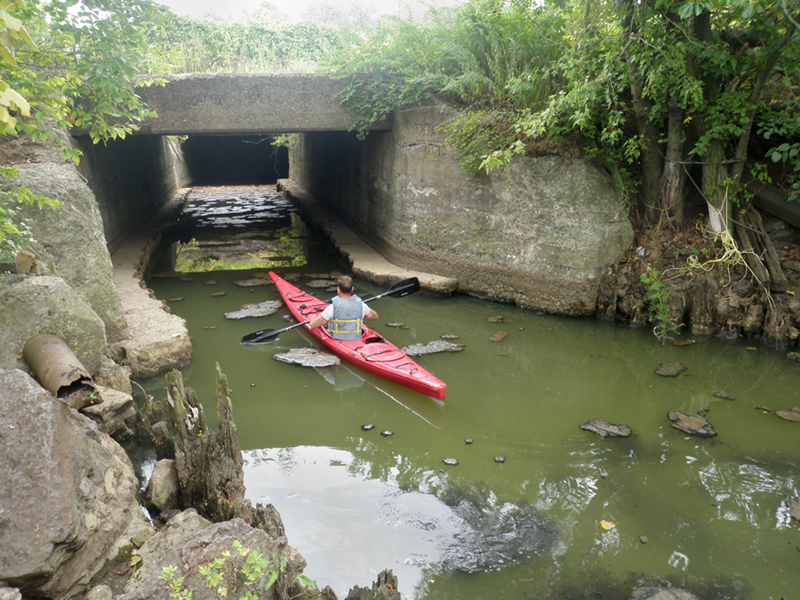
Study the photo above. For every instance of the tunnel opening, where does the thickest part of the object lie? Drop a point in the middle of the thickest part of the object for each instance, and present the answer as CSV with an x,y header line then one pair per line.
x,y
220,160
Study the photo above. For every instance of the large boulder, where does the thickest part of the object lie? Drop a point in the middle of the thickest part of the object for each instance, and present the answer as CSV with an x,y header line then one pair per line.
x,y
189,542
68,498
32,305
69,240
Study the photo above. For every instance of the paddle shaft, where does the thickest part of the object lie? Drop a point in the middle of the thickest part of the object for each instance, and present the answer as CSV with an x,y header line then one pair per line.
x,y
397,290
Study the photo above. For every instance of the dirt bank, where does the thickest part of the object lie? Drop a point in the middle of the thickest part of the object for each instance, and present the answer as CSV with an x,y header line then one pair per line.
x,y
686,281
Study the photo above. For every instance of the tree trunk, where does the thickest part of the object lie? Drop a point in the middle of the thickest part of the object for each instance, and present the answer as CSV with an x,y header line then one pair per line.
x,y
673,178
715,188
652,160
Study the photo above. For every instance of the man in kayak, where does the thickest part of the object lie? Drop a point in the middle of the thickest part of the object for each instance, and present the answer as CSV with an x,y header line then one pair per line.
x,y
345,312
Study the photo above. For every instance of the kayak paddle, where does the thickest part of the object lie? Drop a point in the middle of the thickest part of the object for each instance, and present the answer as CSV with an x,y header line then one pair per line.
x,y
396,290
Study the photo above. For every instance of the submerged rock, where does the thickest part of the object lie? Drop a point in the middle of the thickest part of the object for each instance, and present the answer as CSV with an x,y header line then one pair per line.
x,y
671,369
658,592
308,356
789,415
255,282
606,429
723,395
262,309
499,336
432,348
325,284
490,535
691,423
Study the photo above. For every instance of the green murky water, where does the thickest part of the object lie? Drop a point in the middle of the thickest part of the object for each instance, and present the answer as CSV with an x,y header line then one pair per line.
x,y
715,512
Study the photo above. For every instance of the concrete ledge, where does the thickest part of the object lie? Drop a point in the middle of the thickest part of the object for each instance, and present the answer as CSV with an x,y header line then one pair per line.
x,y
158,341
366,262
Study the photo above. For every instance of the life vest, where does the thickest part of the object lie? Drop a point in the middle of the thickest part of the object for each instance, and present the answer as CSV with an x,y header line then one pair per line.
x,y
347,317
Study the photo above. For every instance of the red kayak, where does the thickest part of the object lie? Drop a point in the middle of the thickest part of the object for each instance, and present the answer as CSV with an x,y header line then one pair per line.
x,y
371,352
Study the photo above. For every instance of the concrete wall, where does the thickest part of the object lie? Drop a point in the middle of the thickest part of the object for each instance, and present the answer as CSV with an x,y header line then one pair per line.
x,y
131,179
243,103
539,235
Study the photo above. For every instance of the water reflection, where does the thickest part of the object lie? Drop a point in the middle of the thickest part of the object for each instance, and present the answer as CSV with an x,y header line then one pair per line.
x,y
453,529
224,229
741,490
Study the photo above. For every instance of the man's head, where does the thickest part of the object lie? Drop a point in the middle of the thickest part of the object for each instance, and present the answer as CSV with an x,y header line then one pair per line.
x,y
345,284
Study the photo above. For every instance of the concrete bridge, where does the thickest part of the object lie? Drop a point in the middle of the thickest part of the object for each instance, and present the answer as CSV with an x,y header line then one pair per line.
x,y
539,235
230,104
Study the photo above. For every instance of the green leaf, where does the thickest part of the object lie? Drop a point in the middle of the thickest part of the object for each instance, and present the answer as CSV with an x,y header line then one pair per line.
x,y
305,580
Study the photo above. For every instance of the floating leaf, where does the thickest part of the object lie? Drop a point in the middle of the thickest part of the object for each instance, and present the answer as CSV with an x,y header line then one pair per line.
x,y
607,525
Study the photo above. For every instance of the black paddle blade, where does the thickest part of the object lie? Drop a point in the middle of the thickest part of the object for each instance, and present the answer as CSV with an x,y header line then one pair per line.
x,y
259,337
399,289
266,335
403,288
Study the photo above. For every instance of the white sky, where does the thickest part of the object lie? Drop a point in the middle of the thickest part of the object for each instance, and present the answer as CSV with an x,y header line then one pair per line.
x,y
231,10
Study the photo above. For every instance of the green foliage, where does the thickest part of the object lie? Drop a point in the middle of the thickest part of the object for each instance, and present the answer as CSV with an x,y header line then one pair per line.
x,y
476,134
67,64
233,575
488,55
13,36
191,256
784,125
658,299
176,591
281,141
256,46
82,69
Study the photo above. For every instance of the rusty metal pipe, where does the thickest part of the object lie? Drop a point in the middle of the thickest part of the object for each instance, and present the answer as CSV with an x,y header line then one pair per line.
x,y
59,371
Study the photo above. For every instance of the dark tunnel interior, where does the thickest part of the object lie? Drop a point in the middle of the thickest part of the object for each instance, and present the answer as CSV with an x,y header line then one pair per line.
x,y
217,160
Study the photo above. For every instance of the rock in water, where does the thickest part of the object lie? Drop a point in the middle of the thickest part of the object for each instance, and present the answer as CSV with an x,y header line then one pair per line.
x,y
691,423
657,592
490,534
262,309
385,588
432,348
789,415
255,282
606,429
671,369
324,284
308,356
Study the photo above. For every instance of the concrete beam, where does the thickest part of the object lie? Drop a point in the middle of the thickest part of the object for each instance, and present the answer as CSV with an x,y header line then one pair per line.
x,y
242,103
